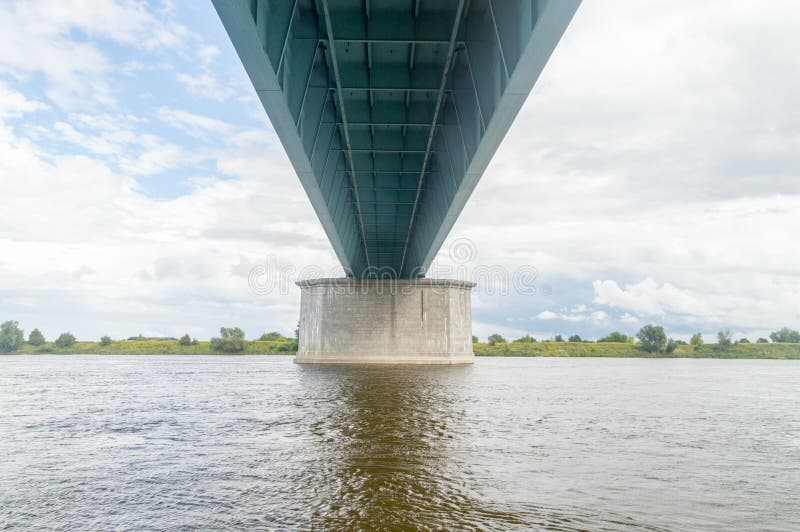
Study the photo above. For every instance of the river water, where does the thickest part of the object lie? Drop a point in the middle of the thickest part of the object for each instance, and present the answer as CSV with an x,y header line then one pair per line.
x,y
229,442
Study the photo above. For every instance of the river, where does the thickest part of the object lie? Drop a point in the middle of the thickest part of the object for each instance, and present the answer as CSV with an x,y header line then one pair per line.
x,y
229,442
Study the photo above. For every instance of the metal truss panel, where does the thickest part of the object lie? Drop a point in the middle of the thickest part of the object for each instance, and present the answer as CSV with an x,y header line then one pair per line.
x,y
390,110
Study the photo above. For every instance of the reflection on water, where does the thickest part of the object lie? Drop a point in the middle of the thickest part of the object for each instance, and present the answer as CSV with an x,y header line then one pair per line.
x,y
233,442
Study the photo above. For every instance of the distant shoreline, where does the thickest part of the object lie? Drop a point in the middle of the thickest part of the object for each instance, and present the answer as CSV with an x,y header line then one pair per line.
x,y
783,351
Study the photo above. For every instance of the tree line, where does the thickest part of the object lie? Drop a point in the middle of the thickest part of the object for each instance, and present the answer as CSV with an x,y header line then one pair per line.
x,y
230,340
653,339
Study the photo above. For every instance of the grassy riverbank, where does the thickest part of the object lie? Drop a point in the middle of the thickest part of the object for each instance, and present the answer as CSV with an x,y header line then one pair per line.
x,y
517,349
158,347
627,350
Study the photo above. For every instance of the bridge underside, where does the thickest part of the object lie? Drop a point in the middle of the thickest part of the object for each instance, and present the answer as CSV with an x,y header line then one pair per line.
x,y
390,110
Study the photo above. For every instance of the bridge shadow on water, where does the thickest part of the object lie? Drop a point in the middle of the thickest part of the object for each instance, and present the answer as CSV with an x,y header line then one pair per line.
x,y
395,447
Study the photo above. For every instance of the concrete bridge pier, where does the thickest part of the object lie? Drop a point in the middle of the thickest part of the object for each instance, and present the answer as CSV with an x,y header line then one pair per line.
x,y
385,321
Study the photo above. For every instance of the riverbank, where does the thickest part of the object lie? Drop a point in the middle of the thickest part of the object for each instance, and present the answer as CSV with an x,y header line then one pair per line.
x,y
514,349
627,350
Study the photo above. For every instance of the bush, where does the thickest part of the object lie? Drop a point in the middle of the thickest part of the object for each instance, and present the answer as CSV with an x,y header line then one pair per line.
x,y
743,341
574,338
762,341
527,339
11,336
475,339
231,341
272,336
616,337
558,338
185,340
496,339
723,340
36,338
785,335
65,340
671,346
652,338
696,341
106,340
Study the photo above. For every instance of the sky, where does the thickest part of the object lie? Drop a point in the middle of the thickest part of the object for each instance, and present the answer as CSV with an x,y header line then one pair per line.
x,y
653,176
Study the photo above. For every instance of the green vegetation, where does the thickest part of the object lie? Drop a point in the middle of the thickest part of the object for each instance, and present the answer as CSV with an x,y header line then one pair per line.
x,y
65,340
496,339
36,337
617,337
652,338
629,350
231,341
723,340
11,337
786,335
652,342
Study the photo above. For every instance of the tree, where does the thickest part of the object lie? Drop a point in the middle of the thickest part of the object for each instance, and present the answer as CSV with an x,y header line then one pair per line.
x,y
652,338
11,336
574,338
496,339
527,339
271,336
723,340
743,341
616,337
671,346
785,335
696,341
762,341
558,338
475,339
185,340
36,338
231,341
65,340
106,340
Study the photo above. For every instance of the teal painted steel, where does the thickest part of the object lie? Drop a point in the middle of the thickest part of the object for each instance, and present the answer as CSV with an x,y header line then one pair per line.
x,y
390,110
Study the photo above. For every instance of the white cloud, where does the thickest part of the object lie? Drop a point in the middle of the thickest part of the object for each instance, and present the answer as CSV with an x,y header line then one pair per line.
x,y
14,104
648,298
194,124
205,85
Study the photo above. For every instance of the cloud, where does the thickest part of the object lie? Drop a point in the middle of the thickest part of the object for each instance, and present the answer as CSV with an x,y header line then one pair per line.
x,y
39,38
193,124
205,85
649,299
14,104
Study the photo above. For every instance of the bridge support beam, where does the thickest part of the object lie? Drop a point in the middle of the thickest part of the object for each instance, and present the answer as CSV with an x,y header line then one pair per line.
x,y
385,321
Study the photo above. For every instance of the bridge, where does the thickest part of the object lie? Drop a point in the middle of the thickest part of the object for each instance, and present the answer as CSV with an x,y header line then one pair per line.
x,y
390,111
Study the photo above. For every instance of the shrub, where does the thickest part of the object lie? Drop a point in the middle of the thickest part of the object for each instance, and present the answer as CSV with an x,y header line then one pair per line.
x,y
696,341
723,340
671,346
36,338
185,340
496,339
652,338
785,335
11,336
106,340
617,337
231,341
65,340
